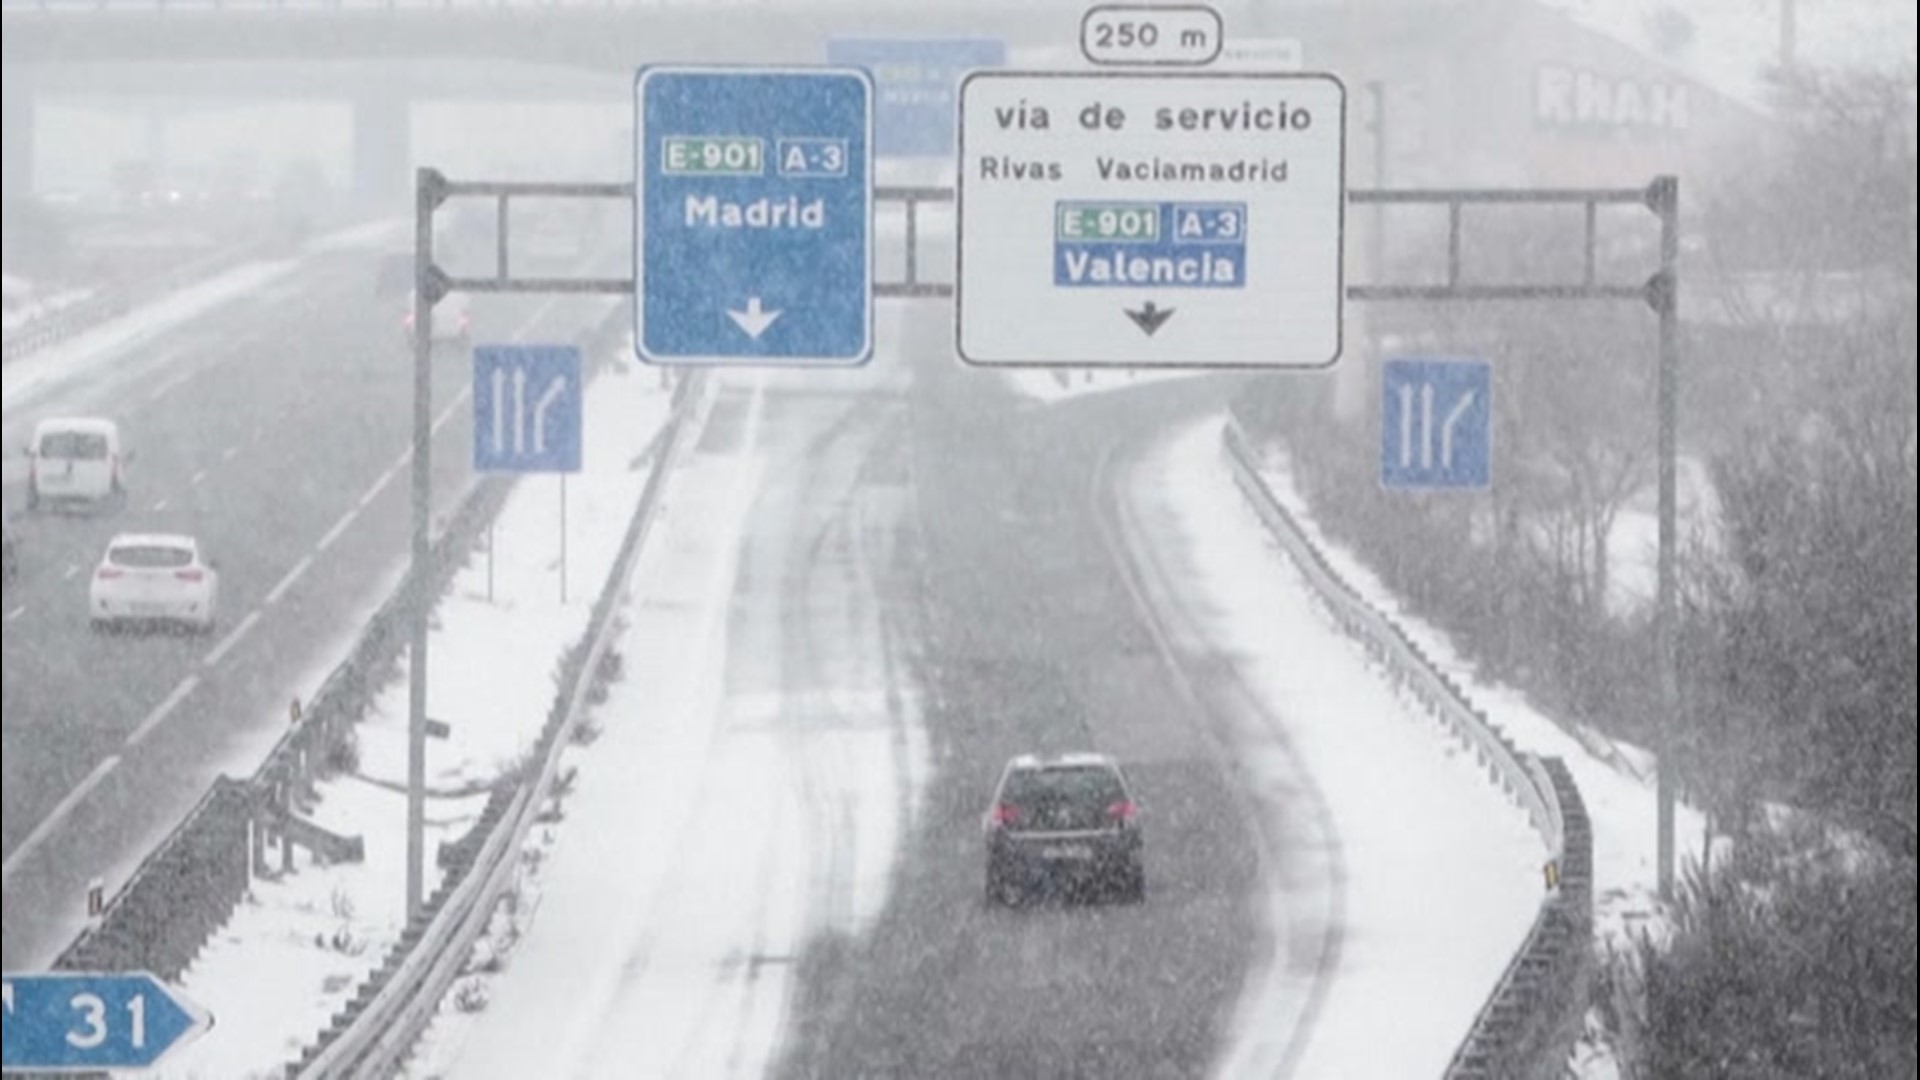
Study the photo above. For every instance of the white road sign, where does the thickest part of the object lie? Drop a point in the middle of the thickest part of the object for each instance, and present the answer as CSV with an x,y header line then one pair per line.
x,y
1148,219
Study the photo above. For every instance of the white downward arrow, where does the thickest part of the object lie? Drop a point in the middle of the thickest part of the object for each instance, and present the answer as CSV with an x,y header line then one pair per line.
x,y
753,320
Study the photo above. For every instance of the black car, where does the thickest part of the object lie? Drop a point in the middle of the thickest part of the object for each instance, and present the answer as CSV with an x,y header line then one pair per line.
x,y
1067,825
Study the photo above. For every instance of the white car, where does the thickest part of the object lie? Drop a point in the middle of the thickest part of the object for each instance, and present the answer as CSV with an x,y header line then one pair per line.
x,y
451,321
153,580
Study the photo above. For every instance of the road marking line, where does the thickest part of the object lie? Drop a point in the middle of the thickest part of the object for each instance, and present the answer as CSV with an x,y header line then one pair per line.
x,y
293,576
394,471
165,709
453,408
16,612
232,640
229,453
170,385
72,572
199,476
59,814
339,530
159,505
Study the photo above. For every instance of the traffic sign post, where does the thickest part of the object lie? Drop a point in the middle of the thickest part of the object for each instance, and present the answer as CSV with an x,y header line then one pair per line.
x,y
915,82
70,1023
1436,424
528,408
1151,220
753,211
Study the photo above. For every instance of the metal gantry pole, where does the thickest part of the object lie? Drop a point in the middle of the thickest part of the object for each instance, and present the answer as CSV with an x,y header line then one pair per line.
x,y
1377,242
1664,200
427,195
1662,293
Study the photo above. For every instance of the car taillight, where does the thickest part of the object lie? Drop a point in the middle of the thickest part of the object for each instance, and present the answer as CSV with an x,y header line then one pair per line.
x,y
1121,813
1003,815
107,573
189,575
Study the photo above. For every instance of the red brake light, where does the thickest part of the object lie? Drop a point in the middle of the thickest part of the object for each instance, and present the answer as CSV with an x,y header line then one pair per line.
x,y
1004,814
1122,812
107,573
189,575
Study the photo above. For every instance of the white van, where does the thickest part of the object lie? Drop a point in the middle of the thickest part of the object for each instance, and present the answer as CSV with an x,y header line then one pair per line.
x,y
75,462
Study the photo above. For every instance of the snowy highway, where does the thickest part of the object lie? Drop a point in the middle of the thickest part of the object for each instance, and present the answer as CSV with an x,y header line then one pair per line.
x,y
274,427
771,862
967,541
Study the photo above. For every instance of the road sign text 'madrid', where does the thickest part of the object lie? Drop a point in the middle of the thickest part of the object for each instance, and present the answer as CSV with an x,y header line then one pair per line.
x,y
1151,219
753,217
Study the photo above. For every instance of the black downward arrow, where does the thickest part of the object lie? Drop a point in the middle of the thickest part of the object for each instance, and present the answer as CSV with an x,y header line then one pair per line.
x,y
1150,318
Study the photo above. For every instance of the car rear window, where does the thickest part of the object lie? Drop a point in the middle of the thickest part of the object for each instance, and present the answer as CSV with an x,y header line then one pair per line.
x,y
150,556
73,446
1063,798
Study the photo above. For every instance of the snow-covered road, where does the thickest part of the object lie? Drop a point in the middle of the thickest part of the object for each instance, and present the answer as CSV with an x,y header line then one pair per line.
x,y
750,783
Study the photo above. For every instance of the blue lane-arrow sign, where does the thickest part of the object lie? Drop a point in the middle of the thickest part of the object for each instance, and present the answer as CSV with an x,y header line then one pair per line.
x,y
754,209
528,408
80,1023
1436,424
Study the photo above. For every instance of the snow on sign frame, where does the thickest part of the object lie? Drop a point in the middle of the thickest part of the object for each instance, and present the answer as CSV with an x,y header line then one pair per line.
x,y
1151,219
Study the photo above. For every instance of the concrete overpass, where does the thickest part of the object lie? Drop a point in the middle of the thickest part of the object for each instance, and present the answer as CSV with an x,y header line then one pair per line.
x,y
613,36
383,58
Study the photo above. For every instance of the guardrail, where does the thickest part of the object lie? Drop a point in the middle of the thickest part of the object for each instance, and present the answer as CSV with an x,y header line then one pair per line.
x,y
155,925
194,878
190,883
1529,1023
109,304
104,306
378,1029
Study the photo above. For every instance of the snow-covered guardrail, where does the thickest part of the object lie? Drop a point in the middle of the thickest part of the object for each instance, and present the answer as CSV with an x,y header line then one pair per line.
x,y
188,885
77,318
1529,1023
373,1036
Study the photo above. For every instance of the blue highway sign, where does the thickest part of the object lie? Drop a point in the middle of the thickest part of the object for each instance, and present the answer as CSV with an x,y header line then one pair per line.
x,y
82,1023
528,408
1436,424
754,218
917,83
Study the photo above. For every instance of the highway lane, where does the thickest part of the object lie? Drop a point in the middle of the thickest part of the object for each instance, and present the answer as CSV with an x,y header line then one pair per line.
x,y
277,432
802,769
1034,641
